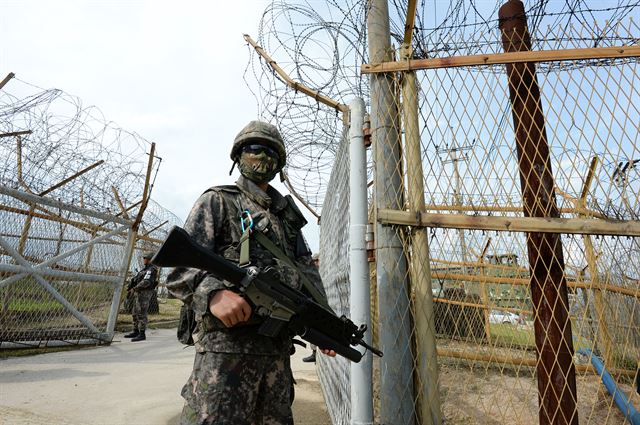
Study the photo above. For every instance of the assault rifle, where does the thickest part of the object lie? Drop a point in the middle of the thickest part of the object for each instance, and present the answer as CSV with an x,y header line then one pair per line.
x,y
280,305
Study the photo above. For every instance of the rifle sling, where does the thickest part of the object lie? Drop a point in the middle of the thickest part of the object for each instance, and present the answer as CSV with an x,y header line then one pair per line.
x,y
244,248
277,252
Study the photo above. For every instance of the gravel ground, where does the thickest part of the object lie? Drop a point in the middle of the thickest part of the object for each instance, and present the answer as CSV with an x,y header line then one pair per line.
x,y
123,383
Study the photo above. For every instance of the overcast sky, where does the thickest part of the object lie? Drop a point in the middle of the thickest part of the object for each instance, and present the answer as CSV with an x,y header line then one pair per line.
x,y
171,72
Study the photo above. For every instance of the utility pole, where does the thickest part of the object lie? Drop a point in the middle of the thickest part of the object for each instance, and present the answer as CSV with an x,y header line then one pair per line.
x,y
621,178
454,154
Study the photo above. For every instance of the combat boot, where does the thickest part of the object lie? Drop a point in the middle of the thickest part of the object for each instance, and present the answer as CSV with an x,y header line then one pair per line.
x,y
141,337
133,334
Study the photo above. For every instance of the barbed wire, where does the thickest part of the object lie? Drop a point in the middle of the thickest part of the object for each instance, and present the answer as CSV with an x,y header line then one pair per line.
x,y
67,138
323,46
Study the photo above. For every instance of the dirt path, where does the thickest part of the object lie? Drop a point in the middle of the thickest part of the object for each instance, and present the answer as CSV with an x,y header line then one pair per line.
x,y
124,383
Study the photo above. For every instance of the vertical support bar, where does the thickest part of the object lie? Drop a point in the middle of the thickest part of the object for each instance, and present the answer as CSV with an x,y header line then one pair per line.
x,y
145,191
19,158
22,243
396,380
115,302
361,373
555,368
87,259
27,224
598,300
592,262
484,294
420,268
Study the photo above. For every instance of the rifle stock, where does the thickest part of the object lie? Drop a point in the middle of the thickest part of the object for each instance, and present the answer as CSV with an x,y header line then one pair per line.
x,y
270,297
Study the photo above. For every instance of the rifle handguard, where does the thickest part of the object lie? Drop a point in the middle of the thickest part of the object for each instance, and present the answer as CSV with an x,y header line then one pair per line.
x,y
322,341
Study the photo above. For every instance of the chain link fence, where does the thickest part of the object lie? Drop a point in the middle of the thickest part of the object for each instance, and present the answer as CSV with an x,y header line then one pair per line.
x,y
506,197
72,230
534,281
334,269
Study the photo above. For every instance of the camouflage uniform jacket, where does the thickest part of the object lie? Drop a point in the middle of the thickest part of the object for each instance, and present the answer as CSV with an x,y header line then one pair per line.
x,y
214,222
145,280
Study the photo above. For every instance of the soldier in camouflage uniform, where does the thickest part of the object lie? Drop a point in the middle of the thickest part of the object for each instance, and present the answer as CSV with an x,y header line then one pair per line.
x,y
240,377
141,288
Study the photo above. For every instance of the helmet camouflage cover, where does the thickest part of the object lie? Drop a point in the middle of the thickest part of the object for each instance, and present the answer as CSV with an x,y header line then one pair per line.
x,y
260,132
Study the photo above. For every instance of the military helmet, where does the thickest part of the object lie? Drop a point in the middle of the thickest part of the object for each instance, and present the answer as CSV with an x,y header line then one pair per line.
x,y
263,132
147,255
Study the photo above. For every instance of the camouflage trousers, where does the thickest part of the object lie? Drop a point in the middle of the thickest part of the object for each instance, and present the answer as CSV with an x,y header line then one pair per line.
x,y
141,300
238,389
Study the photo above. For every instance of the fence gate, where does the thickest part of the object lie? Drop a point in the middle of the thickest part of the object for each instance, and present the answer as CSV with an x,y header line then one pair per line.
x,y
62,270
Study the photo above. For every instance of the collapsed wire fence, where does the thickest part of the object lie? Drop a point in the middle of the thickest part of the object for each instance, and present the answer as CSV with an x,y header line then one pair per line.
x,y
530,213
76,217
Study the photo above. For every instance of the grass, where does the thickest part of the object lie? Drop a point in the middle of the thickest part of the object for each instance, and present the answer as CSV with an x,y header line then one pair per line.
x,y
31,306
166,318
513,336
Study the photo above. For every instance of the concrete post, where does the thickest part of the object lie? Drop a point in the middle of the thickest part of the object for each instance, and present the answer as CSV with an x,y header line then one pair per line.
x,y
396,380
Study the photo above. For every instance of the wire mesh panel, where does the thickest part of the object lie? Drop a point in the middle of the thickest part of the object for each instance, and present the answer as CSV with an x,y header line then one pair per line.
x,y
520,266
71,188
60,272
533,277
334,269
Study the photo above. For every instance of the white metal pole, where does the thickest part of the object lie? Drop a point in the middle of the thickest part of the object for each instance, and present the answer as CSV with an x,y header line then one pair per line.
x,y
361,384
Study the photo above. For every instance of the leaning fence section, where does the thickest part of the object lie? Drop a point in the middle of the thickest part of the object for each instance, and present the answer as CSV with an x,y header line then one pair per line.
x,y
61,271
75,217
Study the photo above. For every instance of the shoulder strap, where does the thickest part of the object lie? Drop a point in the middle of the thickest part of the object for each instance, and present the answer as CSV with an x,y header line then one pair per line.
x,y
244,240
277,252
249,230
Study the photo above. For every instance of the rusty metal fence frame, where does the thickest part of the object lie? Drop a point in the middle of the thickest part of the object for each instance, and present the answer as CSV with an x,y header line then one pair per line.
x,y
403,216
76,216
458,254
44,272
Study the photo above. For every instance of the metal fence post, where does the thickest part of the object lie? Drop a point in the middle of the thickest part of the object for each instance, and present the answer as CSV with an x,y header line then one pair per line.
x,y
396,379
361,385
115,302
555,368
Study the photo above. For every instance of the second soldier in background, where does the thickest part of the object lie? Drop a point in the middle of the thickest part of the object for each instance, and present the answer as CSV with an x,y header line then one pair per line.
x,y
141,288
